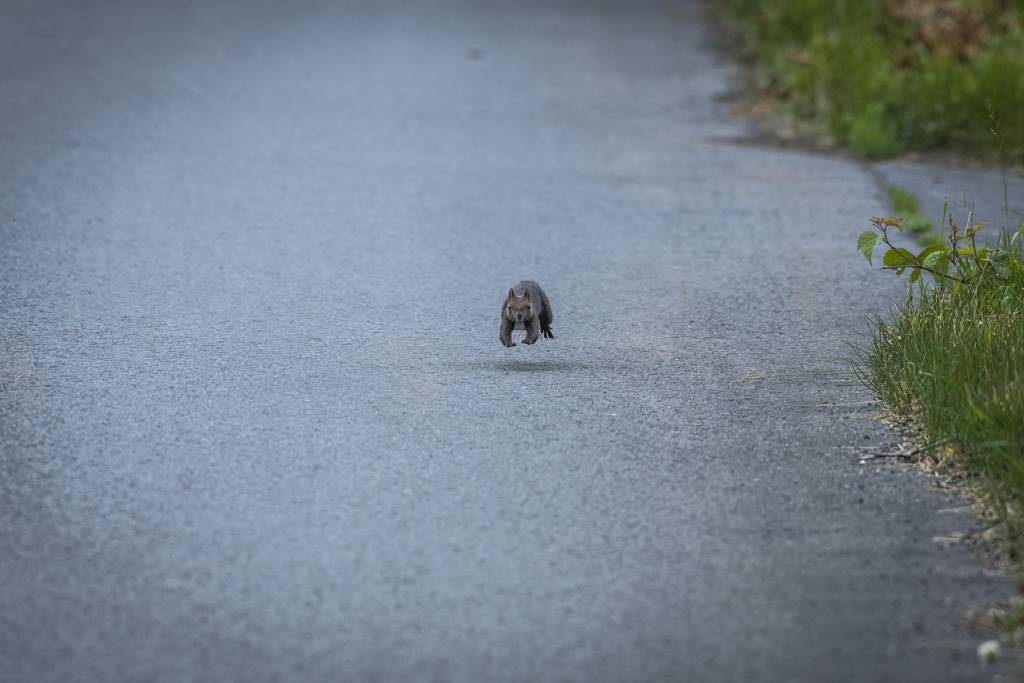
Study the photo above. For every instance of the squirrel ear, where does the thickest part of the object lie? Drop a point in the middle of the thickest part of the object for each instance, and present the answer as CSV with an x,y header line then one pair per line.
x,y
527,295
511,294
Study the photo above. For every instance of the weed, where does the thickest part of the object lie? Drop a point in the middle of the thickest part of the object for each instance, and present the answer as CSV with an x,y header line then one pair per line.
x,y
997,273
886,76
953,354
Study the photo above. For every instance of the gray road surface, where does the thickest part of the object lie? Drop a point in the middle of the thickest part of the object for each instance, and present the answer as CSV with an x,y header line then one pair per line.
x,y
256,421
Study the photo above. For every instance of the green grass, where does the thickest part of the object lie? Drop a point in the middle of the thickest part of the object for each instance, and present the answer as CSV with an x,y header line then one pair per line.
x,y
904,205
951,357
887,76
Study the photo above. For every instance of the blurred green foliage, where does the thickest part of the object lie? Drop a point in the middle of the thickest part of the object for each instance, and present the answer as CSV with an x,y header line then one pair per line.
x,y
885,76
904,205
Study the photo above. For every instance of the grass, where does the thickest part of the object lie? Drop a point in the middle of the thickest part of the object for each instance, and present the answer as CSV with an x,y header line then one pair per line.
x,y
904,205
951,357
888,76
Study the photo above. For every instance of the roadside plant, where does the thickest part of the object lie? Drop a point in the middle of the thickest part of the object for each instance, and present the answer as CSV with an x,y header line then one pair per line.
x,y
951,356
995,274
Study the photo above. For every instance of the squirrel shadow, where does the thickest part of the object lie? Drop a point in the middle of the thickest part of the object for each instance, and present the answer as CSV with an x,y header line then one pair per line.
x,y
533,366
510,365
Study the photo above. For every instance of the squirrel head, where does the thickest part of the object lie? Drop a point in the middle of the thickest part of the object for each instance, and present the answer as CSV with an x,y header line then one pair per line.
x,y
518,308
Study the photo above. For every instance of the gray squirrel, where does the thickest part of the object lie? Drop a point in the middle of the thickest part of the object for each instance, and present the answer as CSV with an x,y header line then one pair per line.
x,y
527,309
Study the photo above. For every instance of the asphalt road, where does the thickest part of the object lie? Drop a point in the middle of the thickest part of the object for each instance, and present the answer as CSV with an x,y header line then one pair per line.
x,y
256,421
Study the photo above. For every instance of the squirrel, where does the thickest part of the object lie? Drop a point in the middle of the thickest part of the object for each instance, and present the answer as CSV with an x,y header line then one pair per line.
x,y
527,309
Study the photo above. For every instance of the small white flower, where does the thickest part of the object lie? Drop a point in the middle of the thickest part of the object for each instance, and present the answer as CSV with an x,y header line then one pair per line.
x,y
989,651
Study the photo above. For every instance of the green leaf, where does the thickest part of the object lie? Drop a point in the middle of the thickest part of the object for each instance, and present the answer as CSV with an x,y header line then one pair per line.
x,y
898,257
928,257
915,275
866,243
940,265
894,222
